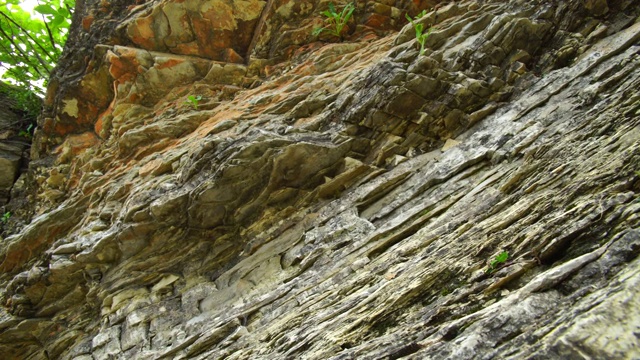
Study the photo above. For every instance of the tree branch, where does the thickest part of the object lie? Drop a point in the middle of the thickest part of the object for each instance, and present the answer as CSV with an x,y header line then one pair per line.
x,y
27,59
30,37
53,42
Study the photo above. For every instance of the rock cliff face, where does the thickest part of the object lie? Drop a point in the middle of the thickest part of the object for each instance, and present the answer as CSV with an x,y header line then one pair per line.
x,y
331,198
15,138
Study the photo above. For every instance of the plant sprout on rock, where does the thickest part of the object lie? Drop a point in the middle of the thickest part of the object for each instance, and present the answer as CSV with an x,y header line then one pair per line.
x,y
193,100
499,259
421,36
335,21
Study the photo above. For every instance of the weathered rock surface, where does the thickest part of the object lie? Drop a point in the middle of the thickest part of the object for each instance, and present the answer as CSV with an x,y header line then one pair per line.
x,y
337,200
15,139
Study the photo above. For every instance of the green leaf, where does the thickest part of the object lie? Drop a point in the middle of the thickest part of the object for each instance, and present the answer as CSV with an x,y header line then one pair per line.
x,y
45,10
193,100
64,12
502,257
57,21
349,13
499,259
332,8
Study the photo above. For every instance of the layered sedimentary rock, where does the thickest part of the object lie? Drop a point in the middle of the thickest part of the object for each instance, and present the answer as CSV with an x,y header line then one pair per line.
x,y
331,198
15,138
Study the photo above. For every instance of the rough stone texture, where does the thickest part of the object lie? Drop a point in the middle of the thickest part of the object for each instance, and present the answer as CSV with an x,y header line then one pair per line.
x,y
207,28
13,145
9,165
342,200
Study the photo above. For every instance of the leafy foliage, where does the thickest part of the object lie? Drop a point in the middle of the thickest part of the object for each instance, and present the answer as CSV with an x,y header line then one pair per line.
x,y
5,217
421,36
30,45
22,99
24,103
335,21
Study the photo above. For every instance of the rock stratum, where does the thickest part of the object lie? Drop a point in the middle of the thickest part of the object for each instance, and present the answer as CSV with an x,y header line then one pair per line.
x,y
332,198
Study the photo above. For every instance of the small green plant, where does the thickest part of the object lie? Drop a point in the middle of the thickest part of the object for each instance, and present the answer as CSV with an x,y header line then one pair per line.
x,y
335,21
23,100
421,36
499,259
193,100
5,217
26,133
